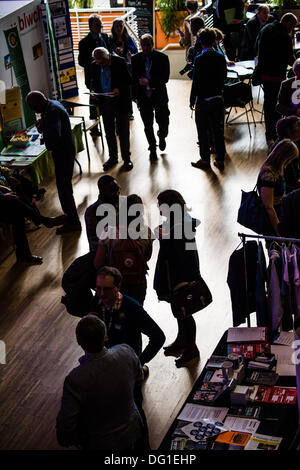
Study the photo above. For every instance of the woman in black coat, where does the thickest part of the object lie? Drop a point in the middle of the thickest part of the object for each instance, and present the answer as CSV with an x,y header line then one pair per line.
x,y
177,262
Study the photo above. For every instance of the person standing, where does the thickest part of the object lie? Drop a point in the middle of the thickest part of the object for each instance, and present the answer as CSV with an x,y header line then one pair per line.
x,y
188,38
230,19
288,102
275,53
98,409
210,72
177,263
251,30
150,73
58,137
95,38
110,78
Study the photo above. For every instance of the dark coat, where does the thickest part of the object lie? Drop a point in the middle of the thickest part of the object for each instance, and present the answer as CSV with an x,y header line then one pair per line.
x,y
120,78
159,76
284,103
251,30
289,224
86,47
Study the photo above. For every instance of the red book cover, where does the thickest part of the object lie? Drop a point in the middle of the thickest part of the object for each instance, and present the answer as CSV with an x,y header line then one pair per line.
x,y
276,395
248,350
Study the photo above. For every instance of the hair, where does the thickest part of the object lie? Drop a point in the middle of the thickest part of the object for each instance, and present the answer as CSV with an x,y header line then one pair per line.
x,y
197,22
296,65
110,271
170,197
289,18
147,37
94,17
219,34
192,5
282,154
104,180
133,199
90,333
101,51
262,8
286,125
125,34
207,37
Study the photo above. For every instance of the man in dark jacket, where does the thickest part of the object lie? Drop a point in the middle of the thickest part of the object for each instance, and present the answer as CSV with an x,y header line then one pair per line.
x,y
95,38
275,53
210,72
150,73
289,225
110,81
251,31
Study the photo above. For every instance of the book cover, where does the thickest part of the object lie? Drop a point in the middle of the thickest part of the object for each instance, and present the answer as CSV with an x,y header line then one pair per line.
x,y
231,440
245,411
276,395
248,351
262,378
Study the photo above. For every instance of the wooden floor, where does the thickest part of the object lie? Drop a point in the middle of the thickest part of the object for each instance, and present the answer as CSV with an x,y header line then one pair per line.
x,y
39,333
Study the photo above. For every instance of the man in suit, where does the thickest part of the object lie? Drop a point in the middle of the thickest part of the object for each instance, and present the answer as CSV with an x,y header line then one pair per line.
x,y
252,28
288,102
275,53
150,73
95,38
289,215
110,77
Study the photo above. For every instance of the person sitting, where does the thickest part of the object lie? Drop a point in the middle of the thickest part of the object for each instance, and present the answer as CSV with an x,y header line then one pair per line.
x,y
288,102
128,247
14,211
270,182
289,225
98,410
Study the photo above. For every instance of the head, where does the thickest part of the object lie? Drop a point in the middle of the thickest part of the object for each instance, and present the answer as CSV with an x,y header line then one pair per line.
x,y
109,189
101,56
296,68
169,198
95,24
288,128
263,14
283,153
197,23
289,20
207,37
119,29
90,334
135,202
219,35
108,284
191,6
147,44
37,101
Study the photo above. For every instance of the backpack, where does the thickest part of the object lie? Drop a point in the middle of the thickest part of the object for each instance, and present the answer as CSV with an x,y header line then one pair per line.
x,y
127,256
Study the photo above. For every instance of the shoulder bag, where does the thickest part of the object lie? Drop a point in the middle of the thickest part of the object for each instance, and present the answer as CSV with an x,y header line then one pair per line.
x,y
252,213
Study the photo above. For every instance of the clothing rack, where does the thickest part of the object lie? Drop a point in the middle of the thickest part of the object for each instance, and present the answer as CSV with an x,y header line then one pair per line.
x,y
243,236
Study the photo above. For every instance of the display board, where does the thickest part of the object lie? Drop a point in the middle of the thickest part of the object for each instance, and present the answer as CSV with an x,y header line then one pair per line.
x,y
144,11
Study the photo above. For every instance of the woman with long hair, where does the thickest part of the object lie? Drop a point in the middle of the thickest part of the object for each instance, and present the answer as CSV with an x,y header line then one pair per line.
x,y
177,263
271,183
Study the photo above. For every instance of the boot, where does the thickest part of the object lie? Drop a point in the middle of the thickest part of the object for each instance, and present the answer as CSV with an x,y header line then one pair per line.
x,y
189,354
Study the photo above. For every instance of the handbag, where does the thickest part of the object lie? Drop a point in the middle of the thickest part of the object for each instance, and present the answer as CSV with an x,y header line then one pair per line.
x,y
252,214
189,298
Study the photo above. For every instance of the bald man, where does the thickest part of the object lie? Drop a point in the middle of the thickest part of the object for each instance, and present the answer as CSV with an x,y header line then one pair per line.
x,y
252,28
110,77
57,133
288,102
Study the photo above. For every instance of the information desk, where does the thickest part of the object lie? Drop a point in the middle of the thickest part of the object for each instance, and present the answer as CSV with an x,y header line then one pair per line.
x,y
277,420
35,158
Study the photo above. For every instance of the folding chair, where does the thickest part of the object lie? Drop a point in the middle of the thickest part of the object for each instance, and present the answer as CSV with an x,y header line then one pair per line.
x,y
238,94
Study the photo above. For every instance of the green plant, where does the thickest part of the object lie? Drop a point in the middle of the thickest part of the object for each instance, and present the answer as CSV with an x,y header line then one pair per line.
x,y
285,4
173,12
81,3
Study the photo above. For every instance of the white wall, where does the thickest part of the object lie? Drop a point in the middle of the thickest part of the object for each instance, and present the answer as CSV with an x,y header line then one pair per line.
x,y
177,62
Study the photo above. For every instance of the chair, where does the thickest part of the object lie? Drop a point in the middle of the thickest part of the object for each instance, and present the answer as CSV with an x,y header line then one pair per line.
x,y
86,124
238,94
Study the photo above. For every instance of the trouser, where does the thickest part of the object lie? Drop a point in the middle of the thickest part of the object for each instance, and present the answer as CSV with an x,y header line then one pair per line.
x,y
64,165
271,90
186,331
232,42
116,120
161,110
136,291
14,212
209,118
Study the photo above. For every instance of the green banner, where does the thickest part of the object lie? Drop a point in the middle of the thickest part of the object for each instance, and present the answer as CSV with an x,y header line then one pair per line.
x,y
18,63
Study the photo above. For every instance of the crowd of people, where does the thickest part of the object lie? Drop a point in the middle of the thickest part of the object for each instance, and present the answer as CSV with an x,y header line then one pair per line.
x,y
94,414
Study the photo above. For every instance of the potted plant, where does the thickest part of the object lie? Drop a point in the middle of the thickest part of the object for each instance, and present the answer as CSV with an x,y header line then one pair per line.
x,y
172,14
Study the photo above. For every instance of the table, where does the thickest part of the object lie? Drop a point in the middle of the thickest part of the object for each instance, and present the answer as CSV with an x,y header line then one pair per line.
x,y
286,426
243,69
35,158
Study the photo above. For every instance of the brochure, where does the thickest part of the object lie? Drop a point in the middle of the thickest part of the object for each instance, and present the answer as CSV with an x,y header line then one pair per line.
x,y
262,442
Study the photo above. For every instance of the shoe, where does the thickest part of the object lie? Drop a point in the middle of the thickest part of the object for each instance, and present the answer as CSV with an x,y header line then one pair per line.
x,y
50,222
201,164
162,143
131,117
153,156
146,371
66,228
173,349
110,163
30,259
128,165
218,164
95,132
213,150
189,355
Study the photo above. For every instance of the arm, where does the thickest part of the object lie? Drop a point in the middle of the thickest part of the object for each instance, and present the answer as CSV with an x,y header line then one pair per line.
x,y
155,334
267,197
67,421
195,84
100,256
284,225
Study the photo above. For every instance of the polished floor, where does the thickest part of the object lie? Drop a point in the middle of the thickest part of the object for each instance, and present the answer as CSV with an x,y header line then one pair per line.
x,y
39,333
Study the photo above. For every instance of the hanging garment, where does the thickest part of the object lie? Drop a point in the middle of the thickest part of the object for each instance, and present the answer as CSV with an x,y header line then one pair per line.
x,y
287,289
236,282
274,294
262,317
295,255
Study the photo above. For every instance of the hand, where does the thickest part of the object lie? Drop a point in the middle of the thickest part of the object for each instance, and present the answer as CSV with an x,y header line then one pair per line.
x,y
144,81
192,107
10,196
39,125
230,62
116,91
